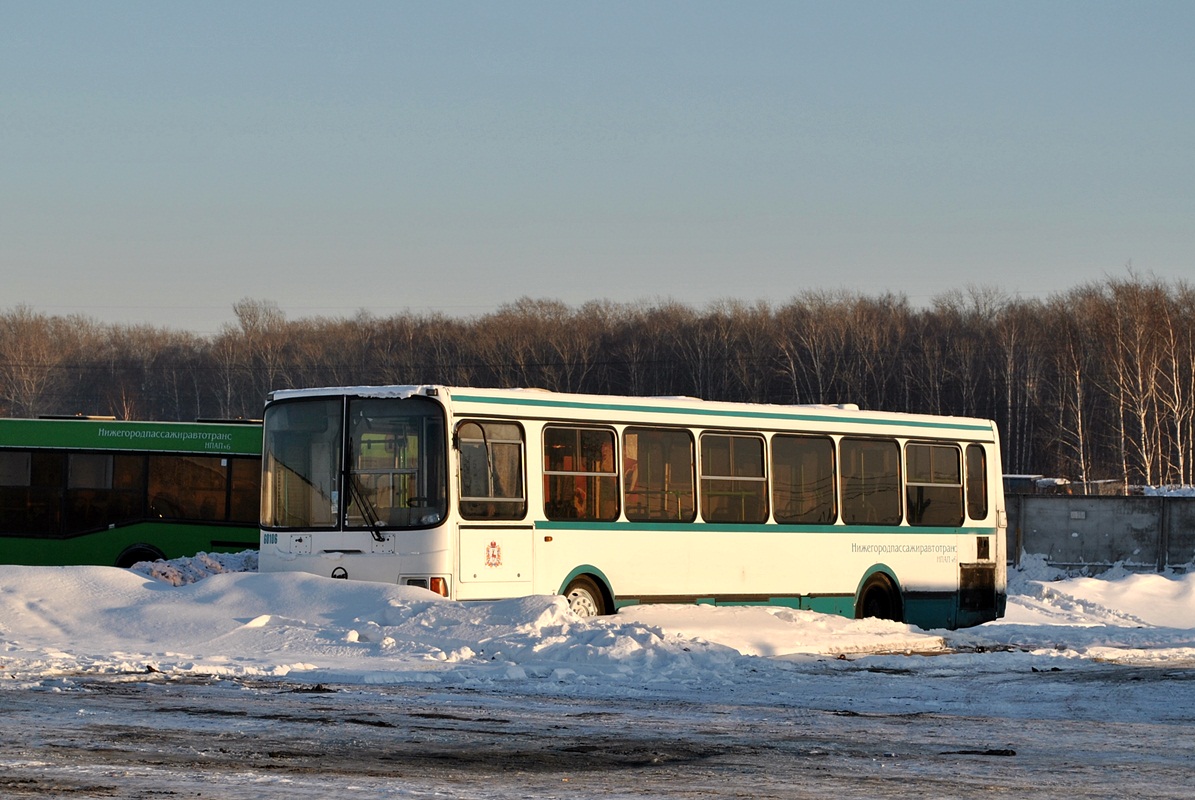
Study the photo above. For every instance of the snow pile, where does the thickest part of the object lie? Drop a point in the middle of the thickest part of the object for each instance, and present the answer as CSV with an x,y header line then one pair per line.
x,y
1169,491
102,620
195,568
214,616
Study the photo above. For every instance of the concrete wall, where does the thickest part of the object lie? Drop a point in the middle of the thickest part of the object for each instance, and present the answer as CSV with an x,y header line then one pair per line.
x,y
1094,533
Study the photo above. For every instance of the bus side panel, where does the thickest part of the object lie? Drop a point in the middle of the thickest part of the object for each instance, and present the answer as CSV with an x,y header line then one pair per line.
x,y
173,539
818,570
494,561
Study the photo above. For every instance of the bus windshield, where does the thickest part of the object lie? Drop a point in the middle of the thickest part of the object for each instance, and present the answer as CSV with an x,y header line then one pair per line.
x,y
393,475
395,472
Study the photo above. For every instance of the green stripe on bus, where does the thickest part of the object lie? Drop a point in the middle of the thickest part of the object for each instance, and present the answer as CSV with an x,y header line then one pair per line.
x,y
195,438
648,527
704,411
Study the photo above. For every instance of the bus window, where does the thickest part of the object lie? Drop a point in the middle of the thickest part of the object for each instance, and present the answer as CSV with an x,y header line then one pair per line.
x,y
103,490
658,475
977,482
14,468
580,479
89,471
301,464
734,487
16,496
396,454
803,479
188,487
934,484
870,482
47,477
245,500
491,470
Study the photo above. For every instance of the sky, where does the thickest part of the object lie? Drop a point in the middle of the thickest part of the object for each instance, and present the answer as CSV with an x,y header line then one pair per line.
x,y
161,161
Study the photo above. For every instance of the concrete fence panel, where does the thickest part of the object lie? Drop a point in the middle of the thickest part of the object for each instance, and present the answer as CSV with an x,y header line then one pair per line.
x,y
1091,534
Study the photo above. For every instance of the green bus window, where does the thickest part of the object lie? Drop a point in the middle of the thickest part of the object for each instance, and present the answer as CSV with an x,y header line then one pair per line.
x,y
580,478
491,455
47,480
870,481
103,490
803,479
977,482
89,471
31,492
16,502
15,468
934,484
734,487
188,487
658,475
245,498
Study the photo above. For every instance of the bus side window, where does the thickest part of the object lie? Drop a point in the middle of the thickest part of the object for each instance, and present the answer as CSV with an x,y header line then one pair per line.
x,y
933,484
870,481
491,462
188,487
977,482
17,501
803,479
580,480
658,475
102,490
734,486
245,500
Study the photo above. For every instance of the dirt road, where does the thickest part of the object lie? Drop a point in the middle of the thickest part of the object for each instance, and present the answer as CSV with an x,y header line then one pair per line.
x,y
153,737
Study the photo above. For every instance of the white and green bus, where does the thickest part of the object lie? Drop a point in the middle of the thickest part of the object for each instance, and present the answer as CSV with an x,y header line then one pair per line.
x,y
481,494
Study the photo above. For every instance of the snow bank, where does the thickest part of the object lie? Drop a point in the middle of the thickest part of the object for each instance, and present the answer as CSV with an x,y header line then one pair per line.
x,y
195,568
214,615
1170,491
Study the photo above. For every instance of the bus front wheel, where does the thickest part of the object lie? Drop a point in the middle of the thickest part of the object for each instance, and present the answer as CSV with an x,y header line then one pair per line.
x,y
585,597
879,598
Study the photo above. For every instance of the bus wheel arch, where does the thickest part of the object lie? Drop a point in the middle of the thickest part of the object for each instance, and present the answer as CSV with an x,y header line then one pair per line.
x,y
135,553
879,596
588,593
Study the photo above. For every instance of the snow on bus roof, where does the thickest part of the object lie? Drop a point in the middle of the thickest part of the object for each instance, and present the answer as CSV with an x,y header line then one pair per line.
x,y
554,397
399,392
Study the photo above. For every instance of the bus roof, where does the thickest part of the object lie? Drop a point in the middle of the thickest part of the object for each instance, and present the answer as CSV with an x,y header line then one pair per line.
x,y
96,434
537,402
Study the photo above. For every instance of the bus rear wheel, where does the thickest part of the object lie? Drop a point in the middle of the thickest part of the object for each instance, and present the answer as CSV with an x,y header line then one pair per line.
x,y
585,597
138,553
880,599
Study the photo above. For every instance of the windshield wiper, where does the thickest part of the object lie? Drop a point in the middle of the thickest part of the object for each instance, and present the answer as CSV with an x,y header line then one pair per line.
x,y
367,509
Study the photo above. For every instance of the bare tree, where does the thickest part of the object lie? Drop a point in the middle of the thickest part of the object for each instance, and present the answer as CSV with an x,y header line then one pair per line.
x,y
33,349
1133,355
1176,395
812,346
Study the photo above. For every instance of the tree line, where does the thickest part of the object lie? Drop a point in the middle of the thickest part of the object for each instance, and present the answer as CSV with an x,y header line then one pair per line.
x,y
1096,383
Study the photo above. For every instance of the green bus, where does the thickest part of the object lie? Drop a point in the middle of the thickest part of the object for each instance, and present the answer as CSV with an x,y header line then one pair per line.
x,y
87,490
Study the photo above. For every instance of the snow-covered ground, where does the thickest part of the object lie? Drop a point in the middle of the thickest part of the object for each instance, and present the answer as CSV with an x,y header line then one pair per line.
x,y
1124,644
215,615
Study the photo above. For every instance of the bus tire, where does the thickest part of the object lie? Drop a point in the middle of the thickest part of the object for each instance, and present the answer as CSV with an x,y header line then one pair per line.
x,y
138,552
585,598
879,598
